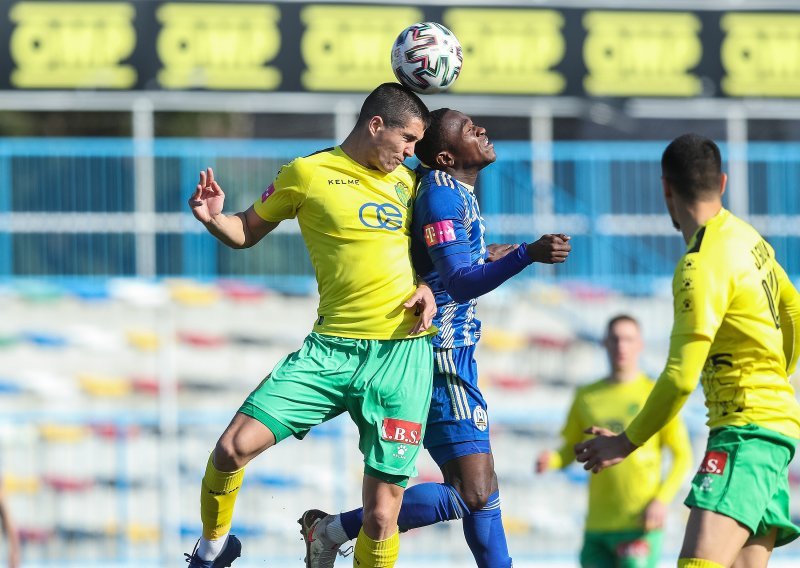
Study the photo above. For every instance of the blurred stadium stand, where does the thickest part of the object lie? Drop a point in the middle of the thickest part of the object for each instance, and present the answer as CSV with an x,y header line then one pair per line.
x,y
128,336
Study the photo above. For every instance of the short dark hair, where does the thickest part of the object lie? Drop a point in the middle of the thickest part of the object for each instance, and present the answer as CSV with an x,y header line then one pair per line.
x,y
692,165
434,140
395,104
618,318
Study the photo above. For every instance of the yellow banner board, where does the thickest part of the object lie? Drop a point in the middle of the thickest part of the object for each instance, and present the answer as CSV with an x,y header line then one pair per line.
x,y
348,48
72,45
642,53
508,51
218,46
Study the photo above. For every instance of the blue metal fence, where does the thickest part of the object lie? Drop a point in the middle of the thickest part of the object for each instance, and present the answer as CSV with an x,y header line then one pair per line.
x,y
70,208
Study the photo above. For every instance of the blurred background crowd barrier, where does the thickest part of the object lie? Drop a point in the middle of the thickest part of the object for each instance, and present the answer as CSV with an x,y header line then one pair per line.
x,y
128,336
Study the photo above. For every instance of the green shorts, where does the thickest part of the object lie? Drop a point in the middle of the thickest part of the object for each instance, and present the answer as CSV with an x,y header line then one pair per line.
x,y
385,386
623,549
744,476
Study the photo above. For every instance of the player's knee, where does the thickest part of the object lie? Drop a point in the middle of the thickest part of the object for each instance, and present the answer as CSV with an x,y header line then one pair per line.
x,y
475,497
230,455
379,519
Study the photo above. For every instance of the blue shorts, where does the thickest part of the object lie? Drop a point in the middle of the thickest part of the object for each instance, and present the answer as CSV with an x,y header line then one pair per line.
x,y
458,422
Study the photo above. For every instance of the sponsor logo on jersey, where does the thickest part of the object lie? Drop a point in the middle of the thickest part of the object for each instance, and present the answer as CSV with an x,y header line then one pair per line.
x,y
348,181
714,462
439,232
403,431
267,192
381,216
480,418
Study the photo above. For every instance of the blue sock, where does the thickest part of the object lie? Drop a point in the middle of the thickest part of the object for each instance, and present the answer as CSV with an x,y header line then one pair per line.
x,y
485,535
423,505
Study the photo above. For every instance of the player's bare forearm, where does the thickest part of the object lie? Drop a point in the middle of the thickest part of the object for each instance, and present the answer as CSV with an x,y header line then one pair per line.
x,y
230,230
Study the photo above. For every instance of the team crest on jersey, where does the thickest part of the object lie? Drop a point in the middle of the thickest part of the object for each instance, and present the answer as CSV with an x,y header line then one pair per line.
x,y
480,418
714,462
267,192
439,232
403,193
402,431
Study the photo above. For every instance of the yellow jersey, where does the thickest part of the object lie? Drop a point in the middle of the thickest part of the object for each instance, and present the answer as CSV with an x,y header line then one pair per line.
x,y
619,495
356,224
731,295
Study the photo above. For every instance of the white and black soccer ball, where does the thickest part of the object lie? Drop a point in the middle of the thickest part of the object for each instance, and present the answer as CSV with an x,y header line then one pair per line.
x,y
426,58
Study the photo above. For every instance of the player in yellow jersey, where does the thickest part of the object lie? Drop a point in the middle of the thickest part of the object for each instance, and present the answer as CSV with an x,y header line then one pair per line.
x,y
369,353
627,504
736,319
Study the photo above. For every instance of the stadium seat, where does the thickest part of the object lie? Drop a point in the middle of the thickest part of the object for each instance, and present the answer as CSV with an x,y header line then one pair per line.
x,y
17,484
501,340
145,385
241,291
30,535
199,339
139,533
138,292
63,433
143,340
100,386
193,294
66,484
44,338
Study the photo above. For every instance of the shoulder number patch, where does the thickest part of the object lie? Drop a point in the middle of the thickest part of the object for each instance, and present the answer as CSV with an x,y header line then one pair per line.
x,y
439,232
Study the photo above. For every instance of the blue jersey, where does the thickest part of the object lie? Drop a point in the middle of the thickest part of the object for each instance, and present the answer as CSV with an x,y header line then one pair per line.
x,y
447,221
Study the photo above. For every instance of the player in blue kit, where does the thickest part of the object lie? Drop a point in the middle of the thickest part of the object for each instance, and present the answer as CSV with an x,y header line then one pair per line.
x,y
450,254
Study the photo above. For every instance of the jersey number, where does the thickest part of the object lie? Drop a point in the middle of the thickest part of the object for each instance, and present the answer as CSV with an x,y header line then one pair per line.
x,y
770,285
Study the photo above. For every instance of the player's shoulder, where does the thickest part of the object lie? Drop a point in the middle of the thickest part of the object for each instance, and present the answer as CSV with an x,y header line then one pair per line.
x,y
303,166
720,246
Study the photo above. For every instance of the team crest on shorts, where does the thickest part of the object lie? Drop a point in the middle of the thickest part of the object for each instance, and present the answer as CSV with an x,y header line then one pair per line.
x,y
480,418
714,462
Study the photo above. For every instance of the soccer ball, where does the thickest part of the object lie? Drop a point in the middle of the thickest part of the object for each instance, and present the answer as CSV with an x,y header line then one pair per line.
x,y
426,58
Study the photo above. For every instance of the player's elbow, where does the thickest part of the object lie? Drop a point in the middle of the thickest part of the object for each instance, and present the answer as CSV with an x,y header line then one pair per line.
x,y
455,292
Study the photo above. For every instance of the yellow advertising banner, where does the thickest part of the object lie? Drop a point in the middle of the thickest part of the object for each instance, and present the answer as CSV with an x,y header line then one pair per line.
x,y
761,55
348,48
218,46
508,51
72,45
642,53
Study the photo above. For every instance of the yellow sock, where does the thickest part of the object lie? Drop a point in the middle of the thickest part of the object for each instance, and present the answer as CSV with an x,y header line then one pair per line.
x,y
370,553
697,563
217,497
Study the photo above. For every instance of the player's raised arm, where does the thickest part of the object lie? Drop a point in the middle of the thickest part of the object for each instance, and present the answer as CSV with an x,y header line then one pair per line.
x,y
240,230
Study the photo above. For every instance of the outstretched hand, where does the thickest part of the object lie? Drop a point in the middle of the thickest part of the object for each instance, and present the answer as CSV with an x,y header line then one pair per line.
x,y
605,450
550,249
424,305
207,200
